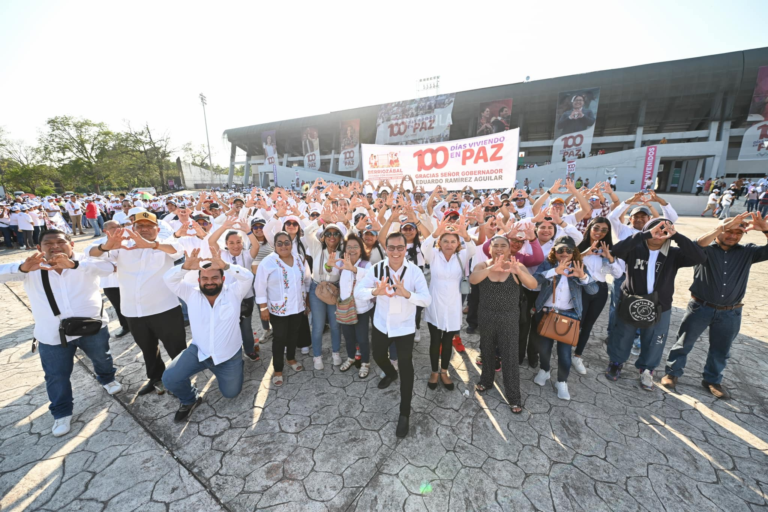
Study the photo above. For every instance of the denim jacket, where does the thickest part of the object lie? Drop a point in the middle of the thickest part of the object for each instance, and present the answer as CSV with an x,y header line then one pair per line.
x,y
574,284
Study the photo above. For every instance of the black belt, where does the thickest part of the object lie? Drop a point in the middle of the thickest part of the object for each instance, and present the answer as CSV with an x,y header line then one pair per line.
x,y
715,306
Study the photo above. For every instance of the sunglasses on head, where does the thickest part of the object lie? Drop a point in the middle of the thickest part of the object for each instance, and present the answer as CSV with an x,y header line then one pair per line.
x,y
566,250
292,223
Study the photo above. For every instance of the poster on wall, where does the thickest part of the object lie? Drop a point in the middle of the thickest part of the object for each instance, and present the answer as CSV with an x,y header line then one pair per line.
x,y
349,155
416,121
494,117
480,162
310,148
754,145
575,123
269,143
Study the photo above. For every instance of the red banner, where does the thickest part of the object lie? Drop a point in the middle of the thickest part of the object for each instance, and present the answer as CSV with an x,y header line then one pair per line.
x,y
650,165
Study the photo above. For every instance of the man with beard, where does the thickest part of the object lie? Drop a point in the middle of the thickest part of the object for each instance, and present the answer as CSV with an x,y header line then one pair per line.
x,y
215,323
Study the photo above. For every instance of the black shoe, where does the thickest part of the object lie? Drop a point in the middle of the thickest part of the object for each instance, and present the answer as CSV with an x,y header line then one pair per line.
x,y
185,410
402,427
152,385
386,381
450,386
122,332
253,356
471,330
717,390
433,385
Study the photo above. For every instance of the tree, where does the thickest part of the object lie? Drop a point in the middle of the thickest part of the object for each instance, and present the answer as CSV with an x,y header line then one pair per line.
x,y
24,167
153,152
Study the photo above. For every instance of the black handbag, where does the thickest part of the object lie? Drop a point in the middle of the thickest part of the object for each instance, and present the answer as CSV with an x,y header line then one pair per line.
x,y
246,307
73,326
641,311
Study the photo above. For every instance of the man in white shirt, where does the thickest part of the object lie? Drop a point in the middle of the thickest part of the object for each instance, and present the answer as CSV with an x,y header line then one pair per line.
x,y
110,284
122,216
75,210
398,287
151,308
27,227
699,186
612,181
74,286
215,323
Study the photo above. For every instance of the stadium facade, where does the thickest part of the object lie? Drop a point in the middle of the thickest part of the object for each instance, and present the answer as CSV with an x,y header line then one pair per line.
x,y
698,115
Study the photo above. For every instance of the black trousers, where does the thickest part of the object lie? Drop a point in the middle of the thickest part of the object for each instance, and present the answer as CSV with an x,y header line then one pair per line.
x,y
438,339
473,302
113,294
526,345
167,327
380,347
285,334
592,306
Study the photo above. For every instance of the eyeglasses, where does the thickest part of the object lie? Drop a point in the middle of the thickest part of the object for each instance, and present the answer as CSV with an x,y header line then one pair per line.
x,y
566,250
257,227
599,229
406,228
292,223
396,248
331,234
313,215
283,244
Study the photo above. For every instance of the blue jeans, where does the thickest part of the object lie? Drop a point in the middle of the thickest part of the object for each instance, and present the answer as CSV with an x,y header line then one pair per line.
x,y
321,311
723,328
564,352
95,225
764,210
6,231
751,205
247,333
19,236
58,362
357,336
229,375
652,341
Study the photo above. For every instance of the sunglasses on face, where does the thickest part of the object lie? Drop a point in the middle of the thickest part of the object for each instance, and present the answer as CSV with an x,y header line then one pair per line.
x,y
291,223
565,250
407,228
283,244
331,234
396,248
314,215
257,227
599,230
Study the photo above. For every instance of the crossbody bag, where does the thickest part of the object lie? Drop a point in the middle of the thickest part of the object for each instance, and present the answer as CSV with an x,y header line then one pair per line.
x,y
73,326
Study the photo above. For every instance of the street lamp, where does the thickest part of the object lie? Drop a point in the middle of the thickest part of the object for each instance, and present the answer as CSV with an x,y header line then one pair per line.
x,y
204,102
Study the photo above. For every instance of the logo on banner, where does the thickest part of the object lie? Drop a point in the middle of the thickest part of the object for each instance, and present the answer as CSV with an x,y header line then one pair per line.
x,y
270,160
650,165
384,160
570,169
435,160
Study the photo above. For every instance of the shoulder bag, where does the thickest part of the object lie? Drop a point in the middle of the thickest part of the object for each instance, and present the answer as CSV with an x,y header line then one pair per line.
x,y
641,311
327,291
557,326
464,287
346,309
73,326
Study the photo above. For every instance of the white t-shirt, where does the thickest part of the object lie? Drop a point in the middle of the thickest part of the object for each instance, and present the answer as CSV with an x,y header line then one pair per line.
x,y
700,183
712,198
651,276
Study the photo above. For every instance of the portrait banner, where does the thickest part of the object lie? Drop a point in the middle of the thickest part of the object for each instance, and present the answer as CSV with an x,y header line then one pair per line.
x,y
575,124
417,121
494,117
754,144
349,154
310,148
269,143
481,162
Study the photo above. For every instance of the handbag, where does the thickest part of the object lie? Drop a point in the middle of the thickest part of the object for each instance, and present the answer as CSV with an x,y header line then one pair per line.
x,y
246,307
346,309
557,326
73,326
327,291
641,311
464,287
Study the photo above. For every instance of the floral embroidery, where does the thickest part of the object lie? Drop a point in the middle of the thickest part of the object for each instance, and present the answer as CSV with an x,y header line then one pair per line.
x,y
279,309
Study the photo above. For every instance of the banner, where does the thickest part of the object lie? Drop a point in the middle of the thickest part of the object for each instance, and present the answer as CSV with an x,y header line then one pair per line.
x,y
648,168
481,162
575,123
754,144
310,148
269,143
494,117
417,121
570,170
349,156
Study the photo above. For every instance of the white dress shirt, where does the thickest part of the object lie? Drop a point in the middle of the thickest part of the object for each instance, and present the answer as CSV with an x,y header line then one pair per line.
x,y
140,273
444,312
595,264
395,316
25,222
347,285
120,217
215,329
563,299
243,260
110,281
76,291
281,287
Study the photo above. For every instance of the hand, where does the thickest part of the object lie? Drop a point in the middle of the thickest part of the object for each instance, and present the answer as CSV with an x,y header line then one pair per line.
x,y
399,287
216,262
332,260
348,265
607,252
737,221
264,314
232,222
59,262
382,288
660,231
563,268
33,263
554,189
114,240
516,267
578,270
139,242
192,260
528,229
657,199
759,222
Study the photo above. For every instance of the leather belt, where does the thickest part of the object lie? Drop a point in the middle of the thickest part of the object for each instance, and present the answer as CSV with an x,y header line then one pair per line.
x,y
715,306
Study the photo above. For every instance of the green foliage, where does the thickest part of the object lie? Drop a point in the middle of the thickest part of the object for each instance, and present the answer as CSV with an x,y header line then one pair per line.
x,y
44,190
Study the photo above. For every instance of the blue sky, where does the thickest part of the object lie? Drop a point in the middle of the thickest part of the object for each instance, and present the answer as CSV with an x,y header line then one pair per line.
x,y
143,61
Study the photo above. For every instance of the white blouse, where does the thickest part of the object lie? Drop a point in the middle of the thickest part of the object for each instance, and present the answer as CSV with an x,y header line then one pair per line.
x,y
444,312
599,267
320,255
281,287
347,285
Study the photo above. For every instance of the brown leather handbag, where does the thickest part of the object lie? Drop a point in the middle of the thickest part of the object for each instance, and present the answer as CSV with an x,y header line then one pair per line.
x,y
556,326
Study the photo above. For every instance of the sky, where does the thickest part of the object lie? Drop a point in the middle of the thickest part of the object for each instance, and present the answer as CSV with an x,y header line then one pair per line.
x,y
147,61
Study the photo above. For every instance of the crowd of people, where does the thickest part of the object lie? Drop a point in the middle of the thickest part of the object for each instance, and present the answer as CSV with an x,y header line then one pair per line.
x,y
721,199
371,262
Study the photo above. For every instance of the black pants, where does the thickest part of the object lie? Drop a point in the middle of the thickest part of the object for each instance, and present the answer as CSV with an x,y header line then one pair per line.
x,y
438,339
473,302
167,327
285,333
380,346
113,294
698,190
592,306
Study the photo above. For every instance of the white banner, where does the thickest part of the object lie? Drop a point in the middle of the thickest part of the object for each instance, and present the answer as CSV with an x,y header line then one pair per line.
x,y
575,124
415,121
312,160
754,145
481,162
349,159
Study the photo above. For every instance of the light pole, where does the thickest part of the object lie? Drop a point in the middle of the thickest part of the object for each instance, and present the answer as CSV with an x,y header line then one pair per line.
x,y
204,102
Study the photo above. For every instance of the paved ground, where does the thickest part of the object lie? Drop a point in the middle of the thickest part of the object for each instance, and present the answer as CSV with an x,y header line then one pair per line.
x,y
325,440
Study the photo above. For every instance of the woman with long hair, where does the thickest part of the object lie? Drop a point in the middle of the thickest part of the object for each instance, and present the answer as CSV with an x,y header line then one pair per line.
x,y
595,251
562,271
499,313
448,267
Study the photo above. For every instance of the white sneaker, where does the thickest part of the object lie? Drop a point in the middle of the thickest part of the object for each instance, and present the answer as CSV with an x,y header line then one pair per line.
x,y
305,350
318,362
541,378
562,390
336,359
578,365
646,380
417,337
394,363
61,426
113,387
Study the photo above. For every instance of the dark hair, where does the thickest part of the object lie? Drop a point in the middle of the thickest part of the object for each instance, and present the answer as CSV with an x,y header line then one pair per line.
x,y
199,272
281,233
354,238
229,234
396,234
52,232
552,256
586,243
299,245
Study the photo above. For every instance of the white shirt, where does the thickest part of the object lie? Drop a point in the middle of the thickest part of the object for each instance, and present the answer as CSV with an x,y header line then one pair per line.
x,y
444,312
140,274
613,180
243,260
76,291
563,299
25,222
700,183
712,198
598,266
395,316
120,217
281,287
651,275
215,329
320,255
347,288
110,281
526,212
74,208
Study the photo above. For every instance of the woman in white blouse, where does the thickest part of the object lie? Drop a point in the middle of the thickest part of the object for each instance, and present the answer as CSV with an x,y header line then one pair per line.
x,y
449,265
596,253
282,283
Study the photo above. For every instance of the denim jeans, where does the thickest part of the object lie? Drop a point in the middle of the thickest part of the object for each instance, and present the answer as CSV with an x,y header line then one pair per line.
x,y
95,225
246,332
615,293
58,362
564,352
229,374
723,328
321,311
6,231
764,210
357,336
36,235
19,236
751,205
652,341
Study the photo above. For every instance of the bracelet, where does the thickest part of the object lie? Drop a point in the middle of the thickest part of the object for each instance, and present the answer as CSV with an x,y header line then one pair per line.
x,y
100,248
262,309
77,264
765,232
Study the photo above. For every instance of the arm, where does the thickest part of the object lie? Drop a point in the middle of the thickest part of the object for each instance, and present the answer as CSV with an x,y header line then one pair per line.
x,y
535,258
420,295
174,279
623,248
428,249
615,218
365,286
690,253
11,272
241,279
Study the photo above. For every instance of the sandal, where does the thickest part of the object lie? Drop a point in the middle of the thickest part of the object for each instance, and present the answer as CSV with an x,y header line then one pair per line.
x,y
296,366
364,368
450,385
480,388
346,365
277,381
516,409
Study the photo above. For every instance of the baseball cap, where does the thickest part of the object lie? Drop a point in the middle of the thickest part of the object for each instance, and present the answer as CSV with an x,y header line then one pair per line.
x,y
145,215
450,213
558,200
567,241
337,226
258,220
640,209
214,205
201,216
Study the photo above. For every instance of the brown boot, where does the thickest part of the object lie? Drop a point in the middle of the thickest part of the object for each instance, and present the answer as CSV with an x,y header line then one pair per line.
x,y
717,390
669,382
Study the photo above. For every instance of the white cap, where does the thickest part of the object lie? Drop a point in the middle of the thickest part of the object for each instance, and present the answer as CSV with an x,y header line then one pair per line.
x,y
134,211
